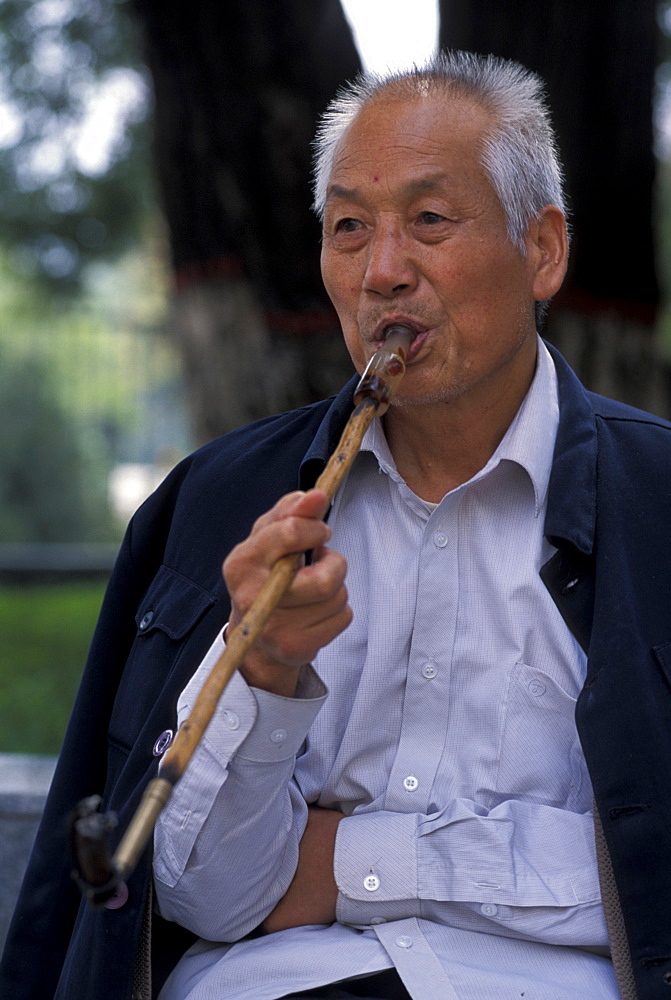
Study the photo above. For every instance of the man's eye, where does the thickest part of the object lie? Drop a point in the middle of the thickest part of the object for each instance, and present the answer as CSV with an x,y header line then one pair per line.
x,y
347,225
430,218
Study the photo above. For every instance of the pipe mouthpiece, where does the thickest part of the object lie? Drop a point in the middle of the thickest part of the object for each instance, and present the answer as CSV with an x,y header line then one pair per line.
x,y
386,368
401,333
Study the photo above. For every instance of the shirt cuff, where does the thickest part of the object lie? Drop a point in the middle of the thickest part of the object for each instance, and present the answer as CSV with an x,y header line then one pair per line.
x,y
250,723
375,867
282,723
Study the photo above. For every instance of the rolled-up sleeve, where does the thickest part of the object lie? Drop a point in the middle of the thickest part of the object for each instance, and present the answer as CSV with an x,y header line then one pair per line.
x,y
529,868
226,845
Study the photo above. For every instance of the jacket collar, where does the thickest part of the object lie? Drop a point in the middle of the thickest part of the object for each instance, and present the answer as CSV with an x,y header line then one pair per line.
x,y
571,512
571,509
328,435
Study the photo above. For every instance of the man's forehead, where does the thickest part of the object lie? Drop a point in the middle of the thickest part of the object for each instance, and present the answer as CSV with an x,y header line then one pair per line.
x,y
441,106
417,136
438,116
432,181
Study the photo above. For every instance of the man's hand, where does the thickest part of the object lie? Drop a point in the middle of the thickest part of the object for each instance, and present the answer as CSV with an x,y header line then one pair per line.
x,y
313,611
311,897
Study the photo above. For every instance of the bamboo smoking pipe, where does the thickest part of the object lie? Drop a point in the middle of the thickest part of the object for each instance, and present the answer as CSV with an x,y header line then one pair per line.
x,y
101,876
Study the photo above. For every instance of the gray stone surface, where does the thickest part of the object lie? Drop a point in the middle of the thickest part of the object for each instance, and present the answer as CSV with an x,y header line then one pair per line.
x,y
24,783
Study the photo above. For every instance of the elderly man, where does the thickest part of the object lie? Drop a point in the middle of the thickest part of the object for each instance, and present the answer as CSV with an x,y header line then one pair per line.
x,y
393,799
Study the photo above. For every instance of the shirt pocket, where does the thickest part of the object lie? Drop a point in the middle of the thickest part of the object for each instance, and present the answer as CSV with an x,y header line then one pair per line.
x,y
541,759
171,608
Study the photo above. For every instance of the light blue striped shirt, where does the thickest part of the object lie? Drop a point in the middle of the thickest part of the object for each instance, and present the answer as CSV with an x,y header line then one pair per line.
x,y
466,858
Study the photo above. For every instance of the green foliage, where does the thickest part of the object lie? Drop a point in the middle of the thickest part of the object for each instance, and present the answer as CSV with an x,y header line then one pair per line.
x,y
74,181
664,251
46,634
85,380
51,488
84,384
663,190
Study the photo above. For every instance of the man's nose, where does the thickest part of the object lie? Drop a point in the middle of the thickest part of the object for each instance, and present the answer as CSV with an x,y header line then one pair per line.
x,y
390,269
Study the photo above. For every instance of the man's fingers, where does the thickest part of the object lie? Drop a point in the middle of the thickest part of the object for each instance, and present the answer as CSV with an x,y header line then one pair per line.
x,y
294,524
319,581
314,609
296,635
313,504
258,554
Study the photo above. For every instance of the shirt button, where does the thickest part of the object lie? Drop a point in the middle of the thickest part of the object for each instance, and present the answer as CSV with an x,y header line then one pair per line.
x,y
440,539
163,742
410,783
231,720
371,883
429,670
377,920
278,735
404,941
489,909
146,621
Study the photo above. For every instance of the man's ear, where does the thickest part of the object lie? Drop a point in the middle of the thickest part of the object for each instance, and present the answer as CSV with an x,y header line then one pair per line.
x,y
547,252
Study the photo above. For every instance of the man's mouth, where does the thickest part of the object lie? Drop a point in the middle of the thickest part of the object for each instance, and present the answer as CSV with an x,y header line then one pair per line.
x,y
420,333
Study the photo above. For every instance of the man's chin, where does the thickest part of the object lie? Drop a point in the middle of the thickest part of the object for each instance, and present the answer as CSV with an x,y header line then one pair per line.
x,y
428,395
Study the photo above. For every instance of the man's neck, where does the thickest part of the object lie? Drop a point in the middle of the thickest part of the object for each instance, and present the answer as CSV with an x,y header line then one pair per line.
x,y
438,446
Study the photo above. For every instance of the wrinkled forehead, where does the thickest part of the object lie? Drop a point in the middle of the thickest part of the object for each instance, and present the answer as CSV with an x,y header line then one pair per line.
x,y
390,130
438,116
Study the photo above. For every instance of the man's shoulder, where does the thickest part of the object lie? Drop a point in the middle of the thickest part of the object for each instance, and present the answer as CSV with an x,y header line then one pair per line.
x,y
246,470
292,428
583,411
637,436
613,411
261,448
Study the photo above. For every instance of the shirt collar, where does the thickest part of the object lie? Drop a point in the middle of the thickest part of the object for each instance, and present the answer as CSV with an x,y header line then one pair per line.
x,y
571,499
529,441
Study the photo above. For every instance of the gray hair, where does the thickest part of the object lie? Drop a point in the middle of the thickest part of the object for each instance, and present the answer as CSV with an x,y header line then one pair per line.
x,y
519,151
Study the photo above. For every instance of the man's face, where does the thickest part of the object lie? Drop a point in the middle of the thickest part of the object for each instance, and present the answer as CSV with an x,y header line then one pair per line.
x,y
414,232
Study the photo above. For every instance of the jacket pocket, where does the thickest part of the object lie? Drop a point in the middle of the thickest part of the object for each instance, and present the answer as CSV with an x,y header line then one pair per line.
x,y
663,654
173,604
171,608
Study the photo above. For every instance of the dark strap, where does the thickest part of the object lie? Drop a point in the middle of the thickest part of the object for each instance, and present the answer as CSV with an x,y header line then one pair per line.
x,y
386,985
617,935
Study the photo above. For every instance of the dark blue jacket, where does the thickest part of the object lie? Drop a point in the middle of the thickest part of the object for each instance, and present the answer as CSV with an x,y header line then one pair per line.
x,y
609,515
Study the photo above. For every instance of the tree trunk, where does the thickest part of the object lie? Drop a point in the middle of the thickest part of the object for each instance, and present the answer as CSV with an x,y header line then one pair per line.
x,y
238,90
235,369
598,61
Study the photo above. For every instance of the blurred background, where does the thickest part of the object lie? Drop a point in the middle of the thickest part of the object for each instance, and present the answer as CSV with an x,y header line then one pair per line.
x,y
159,280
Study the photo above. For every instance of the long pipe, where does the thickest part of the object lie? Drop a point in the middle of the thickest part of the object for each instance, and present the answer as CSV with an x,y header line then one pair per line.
x,y
101,876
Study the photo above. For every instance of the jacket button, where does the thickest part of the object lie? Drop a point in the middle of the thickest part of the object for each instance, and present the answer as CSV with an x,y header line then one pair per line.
x,y
163,742
146,621
118,899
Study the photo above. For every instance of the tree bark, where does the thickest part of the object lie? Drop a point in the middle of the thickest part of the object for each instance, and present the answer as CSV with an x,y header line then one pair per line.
x,y
598,61
238,90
